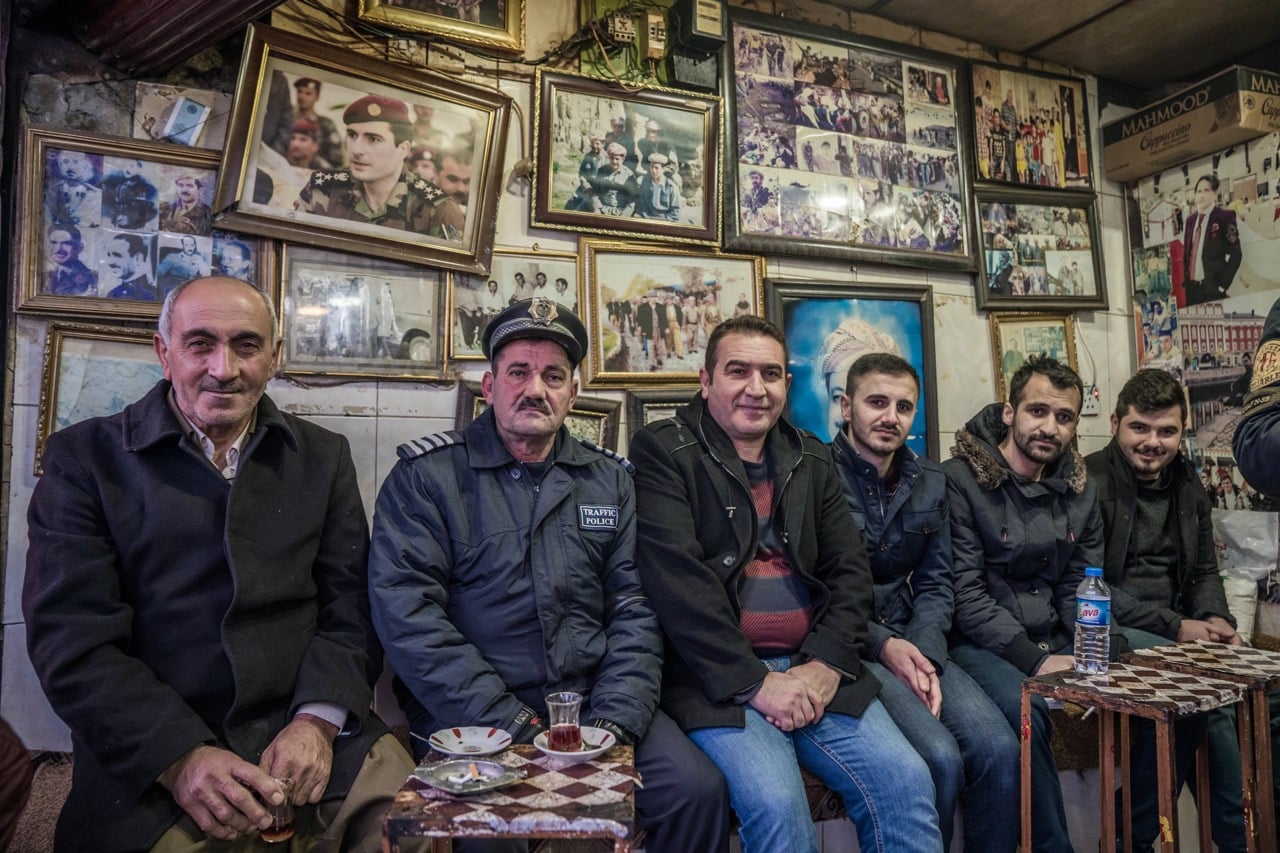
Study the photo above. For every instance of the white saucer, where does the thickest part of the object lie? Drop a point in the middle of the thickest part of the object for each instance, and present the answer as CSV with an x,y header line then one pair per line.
x,y
470,740
595,742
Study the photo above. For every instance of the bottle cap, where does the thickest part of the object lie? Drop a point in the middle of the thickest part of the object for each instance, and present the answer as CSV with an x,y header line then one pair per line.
x,y
1093,571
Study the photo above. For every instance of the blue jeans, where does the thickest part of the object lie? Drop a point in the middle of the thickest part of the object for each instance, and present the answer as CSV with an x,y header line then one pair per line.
x,y
884,783
970,751
1002,681
1226,802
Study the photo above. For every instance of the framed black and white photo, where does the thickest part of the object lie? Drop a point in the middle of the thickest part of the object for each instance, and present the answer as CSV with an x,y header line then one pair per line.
x,y
515,274
592,418
351,317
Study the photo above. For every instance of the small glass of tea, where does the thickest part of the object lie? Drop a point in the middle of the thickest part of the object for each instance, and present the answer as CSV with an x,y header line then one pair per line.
x,y
562,712
281,828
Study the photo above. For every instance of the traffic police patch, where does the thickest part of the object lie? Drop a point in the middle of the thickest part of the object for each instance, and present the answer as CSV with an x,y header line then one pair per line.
x,y
597,517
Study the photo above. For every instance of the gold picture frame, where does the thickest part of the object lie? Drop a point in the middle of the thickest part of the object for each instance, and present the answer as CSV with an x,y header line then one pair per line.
x,y
497,24
461,128
1017,335
91,371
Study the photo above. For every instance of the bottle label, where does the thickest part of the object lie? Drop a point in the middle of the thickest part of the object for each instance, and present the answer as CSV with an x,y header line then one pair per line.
x,y
1090,611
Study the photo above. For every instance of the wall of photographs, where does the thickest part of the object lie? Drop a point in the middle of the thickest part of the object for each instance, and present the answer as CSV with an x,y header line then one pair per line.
x,y
871,223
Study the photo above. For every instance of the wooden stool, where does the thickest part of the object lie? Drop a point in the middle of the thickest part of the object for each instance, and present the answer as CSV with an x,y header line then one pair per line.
x,y
1130,691
1258,671
593,799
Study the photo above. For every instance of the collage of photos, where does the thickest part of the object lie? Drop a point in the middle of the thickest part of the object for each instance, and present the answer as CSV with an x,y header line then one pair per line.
x,y
1037,250
845,145
119,227
1030,129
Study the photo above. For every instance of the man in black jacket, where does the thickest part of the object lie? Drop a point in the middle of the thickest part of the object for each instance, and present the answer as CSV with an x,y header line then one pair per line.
x,y
1163,572
762,589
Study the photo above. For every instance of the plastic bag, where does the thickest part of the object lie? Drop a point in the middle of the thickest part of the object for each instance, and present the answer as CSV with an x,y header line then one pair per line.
x,y
1247,542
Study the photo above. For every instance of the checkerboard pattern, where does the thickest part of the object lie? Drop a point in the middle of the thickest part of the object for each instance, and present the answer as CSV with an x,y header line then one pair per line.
x,y
592,798
1252,666
1139,690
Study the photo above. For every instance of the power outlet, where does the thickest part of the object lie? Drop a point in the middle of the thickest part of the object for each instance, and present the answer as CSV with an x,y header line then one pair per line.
x,y
1092,406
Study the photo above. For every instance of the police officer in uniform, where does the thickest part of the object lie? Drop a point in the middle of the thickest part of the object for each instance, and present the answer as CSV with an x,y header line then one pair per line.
x,y
376,187
503,569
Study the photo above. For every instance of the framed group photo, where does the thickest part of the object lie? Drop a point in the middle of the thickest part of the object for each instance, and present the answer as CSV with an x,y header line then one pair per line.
x,y
828,326
91,371
335,149
116,224
594,419
497,24
1018,335
624,161
516,274
1031,129
1039,251
843,147
650,309
351,317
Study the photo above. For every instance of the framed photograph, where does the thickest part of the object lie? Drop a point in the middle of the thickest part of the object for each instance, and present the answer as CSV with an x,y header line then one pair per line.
x,y
332,148
1039,251
516,274
352,317
91,371
844,147
1031,128
614,159
498,24
111,225
828,326
651,308
592,418
1018,335
646,405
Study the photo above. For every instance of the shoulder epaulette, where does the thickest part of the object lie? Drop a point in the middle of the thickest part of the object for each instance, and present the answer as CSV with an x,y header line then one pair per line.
x,y
322,177
610,454
416,447
425,188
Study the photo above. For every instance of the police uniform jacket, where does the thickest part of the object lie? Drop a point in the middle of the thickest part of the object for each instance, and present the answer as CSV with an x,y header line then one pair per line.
x,y
698,530
458,521
1019,546
909,546
167,607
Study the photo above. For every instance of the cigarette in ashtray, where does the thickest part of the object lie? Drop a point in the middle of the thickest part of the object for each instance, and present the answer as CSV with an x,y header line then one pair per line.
x,y
473,771
472,775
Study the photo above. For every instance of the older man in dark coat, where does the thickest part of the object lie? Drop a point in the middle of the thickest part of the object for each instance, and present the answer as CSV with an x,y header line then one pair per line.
x,y
197,608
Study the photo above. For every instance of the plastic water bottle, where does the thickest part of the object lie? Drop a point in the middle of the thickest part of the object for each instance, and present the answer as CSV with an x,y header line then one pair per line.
x,y
1093,623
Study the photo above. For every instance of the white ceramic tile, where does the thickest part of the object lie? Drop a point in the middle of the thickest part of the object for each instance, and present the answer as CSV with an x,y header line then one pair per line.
x,y
22,702
416,399
21,482
360,432
392,432
963,375
351,398
28,367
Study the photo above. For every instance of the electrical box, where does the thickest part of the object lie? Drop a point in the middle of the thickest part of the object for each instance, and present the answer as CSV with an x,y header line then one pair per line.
x,y
703,24
653,34
694,69
619,28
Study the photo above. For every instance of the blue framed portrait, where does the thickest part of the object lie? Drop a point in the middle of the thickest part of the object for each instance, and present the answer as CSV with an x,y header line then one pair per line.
x,y
828,326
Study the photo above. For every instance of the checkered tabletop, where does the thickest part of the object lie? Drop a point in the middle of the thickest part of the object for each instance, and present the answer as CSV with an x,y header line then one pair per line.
x,y
555,799
1138,690
1243,664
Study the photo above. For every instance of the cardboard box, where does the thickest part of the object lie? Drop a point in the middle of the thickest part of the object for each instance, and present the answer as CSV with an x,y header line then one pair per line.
x,y
1226,109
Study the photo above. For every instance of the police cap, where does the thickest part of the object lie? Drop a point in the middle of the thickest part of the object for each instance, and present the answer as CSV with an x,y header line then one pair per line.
x,y
538,318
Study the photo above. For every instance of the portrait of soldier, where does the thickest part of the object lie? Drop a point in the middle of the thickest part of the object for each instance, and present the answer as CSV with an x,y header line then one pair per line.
x,y
66,274
306,94
186,213
376,187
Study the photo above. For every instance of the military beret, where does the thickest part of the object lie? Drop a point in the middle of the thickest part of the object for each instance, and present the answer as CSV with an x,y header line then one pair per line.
x,y
376,108
306,128
538,318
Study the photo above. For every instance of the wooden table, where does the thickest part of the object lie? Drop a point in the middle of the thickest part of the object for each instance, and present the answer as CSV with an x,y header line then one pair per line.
x,y
593,799
1127,690
1258,671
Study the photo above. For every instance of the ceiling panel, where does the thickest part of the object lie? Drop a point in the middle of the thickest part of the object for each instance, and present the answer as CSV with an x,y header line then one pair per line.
x,y
1007,25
